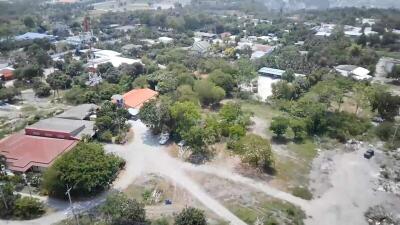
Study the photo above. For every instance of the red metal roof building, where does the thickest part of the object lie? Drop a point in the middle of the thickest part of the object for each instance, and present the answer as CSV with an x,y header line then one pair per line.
x,y
25,152
137,97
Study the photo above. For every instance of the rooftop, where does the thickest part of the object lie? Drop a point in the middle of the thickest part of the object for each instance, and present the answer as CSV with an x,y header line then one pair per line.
x,y
200,46
24,151
137,97
79,112
74,128
32,36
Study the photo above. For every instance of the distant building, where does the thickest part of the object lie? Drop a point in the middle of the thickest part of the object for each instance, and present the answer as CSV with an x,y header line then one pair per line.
x,y
30,36
324,30
355,72
261,50
274,73
126,28
135,98
61,128
205,36
225,35
166,40
25,152
113,57
7,73
80,40
200,47
80,112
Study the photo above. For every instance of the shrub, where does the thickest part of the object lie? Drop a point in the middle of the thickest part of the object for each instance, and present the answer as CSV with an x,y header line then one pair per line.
x,y
302,192
28,208
190,216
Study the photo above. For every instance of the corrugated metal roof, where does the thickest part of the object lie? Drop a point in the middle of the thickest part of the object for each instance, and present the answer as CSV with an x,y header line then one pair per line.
x,y
24,151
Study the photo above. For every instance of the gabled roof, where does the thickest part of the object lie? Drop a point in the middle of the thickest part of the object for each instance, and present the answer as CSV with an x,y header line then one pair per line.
x,y
74,128
32,36
79,112
24,151
137,97
200,46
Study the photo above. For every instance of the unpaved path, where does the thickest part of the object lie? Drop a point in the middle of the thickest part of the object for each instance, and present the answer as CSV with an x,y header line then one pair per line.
x,y
147,156
345,184
261,186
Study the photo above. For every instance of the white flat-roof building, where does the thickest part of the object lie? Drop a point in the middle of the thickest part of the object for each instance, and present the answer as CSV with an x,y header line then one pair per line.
x,y
166,40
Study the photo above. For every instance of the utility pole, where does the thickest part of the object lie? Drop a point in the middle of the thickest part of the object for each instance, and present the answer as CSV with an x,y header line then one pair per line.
x,y
27,183
395,133
2,196
70,203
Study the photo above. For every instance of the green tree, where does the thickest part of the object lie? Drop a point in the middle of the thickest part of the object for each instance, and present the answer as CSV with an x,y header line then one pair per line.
x,y
223,80
112,118
190,216
140,82
386,104
185,115
186,93
279,126
29,22
208,92
28,73
288,75
75,68
28,208
58,80
245,72
8,94
120,210
156,115
299,129
255,151
41,89
8,199
87,169
112,75
283,90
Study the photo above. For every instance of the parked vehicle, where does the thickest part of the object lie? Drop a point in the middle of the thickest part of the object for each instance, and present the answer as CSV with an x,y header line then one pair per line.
x,y
369,153
164,137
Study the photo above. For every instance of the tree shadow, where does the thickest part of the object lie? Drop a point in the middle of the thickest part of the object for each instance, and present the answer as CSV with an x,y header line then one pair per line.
x,y
279,140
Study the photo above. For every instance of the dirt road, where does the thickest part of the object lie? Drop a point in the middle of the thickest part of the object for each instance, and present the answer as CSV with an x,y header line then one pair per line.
x,y
345,184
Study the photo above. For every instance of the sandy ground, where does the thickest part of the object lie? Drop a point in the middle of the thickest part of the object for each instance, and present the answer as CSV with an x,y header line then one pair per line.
x,y
344,185
265,86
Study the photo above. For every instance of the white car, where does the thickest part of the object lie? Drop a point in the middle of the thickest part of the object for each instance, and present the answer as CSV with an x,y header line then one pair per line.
x,y
164,137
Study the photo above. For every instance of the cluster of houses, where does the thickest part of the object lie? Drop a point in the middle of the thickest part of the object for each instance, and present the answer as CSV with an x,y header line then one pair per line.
x,y
40,144
326,30
203,42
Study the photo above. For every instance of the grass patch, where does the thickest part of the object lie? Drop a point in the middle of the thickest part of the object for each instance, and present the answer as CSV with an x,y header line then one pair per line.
x,y
395,55
28,109
294,170
260,109
302,192
269,212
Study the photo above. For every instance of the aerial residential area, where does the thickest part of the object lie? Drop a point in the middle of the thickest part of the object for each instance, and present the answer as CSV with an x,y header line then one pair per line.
x,y
195,112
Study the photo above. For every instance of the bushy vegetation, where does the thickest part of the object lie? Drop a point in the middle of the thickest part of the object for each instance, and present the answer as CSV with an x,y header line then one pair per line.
x,y
17,207
87,169
190,216
111,121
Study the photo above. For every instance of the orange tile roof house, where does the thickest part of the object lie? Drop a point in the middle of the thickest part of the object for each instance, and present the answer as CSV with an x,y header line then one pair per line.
x,y
25,152
137,97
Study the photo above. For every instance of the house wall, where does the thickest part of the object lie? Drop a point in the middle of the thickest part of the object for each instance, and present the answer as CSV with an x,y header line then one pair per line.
x,y
48,133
